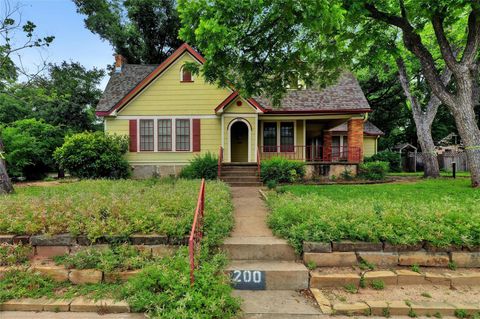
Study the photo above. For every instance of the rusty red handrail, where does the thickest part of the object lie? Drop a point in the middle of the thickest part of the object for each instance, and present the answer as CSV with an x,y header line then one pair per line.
x,y
311,153
196,233
220,161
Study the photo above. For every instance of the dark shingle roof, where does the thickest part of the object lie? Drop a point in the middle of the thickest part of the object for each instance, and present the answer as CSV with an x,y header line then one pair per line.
x,y
121,83
368,128
345,95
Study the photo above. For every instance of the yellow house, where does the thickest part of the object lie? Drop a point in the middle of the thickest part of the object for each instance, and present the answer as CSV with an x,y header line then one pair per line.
x,y
172,115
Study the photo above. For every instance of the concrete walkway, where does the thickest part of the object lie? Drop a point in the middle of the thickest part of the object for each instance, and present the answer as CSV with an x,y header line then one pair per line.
x,y
67,315
252,246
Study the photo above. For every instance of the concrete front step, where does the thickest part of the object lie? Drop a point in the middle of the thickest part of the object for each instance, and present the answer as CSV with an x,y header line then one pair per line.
x,y
279,275
245,184
240,179
258,248
276,304
239,173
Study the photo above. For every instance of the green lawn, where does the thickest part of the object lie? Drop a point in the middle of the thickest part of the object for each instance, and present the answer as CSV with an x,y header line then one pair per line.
x,y
104,207
442,212
420,174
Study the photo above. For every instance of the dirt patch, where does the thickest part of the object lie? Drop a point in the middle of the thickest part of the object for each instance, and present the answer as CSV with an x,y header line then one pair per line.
x,y
410,293
43,183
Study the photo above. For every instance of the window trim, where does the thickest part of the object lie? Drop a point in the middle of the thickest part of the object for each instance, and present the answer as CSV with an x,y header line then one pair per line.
x,y
190,132
139,142
278,132
155,136
157,121
192,80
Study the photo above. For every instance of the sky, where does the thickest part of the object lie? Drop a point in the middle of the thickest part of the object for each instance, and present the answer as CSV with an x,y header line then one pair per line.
x,y
73,41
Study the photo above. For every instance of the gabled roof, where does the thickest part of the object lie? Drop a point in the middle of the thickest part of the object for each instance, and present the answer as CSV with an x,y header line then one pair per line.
x,y
109,104
344,96
368,129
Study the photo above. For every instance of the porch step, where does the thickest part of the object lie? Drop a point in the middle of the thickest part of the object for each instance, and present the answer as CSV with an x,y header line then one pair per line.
x,y
239,172
258,248
240,179
279,275
245,184
276,304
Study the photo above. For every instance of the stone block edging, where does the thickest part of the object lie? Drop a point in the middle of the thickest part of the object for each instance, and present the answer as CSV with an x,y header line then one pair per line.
x,y
391,307
56,245
79,304
400,277
349,253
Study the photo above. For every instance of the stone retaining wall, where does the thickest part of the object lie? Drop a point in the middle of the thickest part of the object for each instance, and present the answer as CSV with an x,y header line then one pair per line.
x,y
57,245
348,253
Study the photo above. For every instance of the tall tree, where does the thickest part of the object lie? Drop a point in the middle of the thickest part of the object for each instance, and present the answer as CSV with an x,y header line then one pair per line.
x,y
257,45
10,24
143,31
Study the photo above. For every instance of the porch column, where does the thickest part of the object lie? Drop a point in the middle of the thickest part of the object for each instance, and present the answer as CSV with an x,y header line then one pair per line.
x,y
355,140
327,146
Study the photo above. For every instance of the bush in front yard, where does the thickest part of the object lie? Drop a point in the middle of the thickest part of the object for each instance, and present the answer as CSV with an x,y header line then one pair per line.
x,y
29,145
282,170
393,159
201,166
373,170
94,155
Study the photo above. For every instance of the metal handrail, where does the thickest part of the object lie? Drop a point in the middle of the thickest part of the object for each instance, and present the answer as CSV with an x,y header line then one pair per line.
x,y
196,233
220,161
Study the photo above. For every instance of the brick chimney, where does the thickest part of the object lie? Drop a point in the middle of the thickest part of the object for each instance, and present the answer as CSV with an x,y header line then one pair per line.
x,y
120,60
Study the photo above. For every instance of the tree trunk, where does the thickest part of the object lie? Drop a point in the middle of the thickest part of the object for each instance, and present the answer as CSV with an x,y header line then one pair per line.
x,y
6,186
469,132
429,155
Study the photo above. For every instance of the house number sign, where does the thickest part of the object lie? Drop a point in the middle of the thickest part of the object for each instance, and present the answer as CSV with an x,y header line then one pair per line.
x,y
248,279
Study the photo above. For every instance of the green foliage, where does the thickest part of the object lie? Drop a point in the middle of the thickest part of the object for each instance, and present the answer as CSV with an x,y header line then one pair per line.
x,y
377,284
442,212
452,265
11,255
17,284
164,291
115,258
282,170
412,313
311,265
392,158
94,155
201,166
415,268
386,312
29,145
362,284
437,315
373,170
99,208
365,265
347,175
426,295
351,288
271,184
144,31
461,313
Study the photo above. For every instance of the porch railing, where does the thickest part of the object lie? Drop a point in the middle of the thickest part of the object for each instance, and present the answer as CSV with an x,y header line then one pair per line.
x,y
196,233
259,162
220,161
312,153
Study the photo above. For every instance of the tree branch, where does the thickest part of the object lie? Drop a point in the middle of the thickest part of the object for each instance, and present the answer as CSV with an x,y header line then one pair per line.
x,y
413,42
473,38
445,47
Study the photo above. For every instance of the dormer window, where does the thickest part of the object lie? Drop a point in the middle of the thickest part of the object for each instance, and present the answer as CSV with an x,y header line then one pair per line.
x,y
185,75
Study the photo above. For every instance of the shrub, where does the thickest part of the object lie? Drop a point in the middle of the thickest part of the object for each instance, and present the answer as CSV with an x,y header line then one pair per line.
x,y
117,258
94,155
282,170
393,159
29,145
11,255
373,170
164,291
201,166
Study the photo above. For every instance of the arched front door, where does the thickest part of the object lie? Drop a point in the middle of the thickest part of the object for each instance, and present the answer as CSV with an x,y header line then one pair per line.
x,y
239,142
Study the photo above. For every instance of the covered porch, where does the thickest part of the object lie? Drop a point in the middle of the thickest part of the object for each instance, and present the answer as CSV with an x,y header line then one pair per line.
x,y
311,140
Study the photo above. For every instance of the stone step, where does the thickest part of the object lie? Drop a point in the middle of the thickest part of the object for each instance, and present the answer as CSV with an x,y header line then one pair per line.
x,y
258,248
239,173
240,179
245,184
276,304
279,275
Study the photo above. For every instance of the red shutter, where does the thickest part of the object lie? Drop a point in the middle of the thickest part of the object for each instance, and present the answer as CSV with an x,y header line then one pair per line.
x,y
196,135
133,135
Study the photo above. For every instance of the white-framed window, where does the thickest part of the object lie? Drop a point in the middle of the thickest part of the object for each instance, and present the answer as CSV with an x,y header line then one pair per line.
x,y
182,135
185,75
147,135
278,136
165,135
